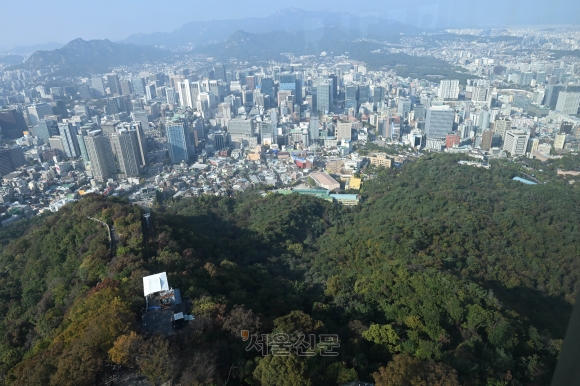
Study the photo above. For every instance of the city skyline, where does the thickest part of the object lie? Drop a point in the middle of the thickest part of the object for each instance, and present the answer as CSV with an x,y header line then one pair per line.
x,y
118,21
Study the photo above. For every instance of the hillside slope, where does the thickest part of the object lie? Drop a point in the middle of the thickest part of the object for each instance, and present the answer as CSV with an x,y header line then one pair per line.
x,y
445,273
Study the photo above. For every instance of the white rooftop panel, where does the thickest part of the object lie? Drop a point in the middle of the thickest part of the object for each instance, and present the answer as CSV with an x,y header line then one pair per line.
x,y
155,283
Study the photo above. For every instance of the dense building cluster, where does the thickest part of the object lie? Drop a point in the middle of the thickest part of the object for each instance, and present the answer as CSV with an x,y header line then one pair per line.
x,y
196,126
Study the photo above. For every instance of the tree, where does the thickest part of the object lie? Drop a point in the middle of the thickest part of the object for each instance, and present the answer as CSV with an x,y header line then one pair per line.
x,y
126,349
384,335
405,370
281,371
240,319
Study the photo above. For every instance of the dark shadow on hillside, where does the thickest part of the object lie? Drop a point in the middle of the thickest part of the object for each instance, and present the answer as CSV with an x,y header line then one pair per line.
x,y
215,240
544,311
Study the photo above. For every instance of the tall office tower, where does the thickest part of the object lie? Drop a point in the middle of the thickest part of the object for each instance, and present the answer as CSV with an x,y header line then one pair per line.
x,y
323,95
449,89
219,72
516,142
97,86
239,127
138,85
41,131
170,95
483,121
12,124
364,94
383,126
267,88
344,130
540,77
378,93
10,159
136,127
250,83
125,143
551,95
84,92
184,93
334,79
526,78
479,94
313,129
56,144
38,111
276,70
568,102
82,145
486,140
439,121
114,85
150,92
501,126
559,141
68,136
126,87
180,148
288,82
350,96
419,110
100,155
403,107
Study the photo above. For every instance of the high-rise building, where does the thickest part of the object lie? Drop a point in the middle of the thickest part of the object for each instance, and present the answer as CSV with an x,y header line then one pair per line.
x,y
138,85
267,88
126,145
97,86
12,124
551,95
100,155
114,84
439,121
344,130
38,111
559,141
323,95
170,95
180,148
486,140
10,159
449,89
141,116
219,72
68,136
403,107
501,126
568,102
313,129
126,87
516,142
41,130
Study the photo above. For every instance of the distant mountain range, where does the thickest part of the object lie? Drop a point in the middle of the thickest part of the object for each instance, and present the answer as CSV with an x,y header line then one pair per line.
x,y
94,56
27,50
290,20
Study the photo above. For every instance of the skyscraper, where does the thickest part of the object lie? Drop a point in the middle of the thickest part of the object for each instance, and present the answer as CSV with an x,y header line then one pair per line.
x,y
126,87
439,121
126,146
180,148
97,86
12,124
68,136
568,102
449,89
100,155
323,95
138,85
313,129
551,95
516,142
114,84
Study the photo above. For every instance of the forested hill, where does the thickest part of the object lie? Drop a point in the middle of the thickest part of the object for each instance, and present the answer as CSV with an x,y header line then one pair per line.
x,y
445,275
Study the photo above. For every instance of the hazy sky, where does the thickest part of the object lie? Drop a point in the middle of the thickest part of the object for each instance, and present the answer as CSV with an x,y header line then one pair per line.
x,y
28,22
